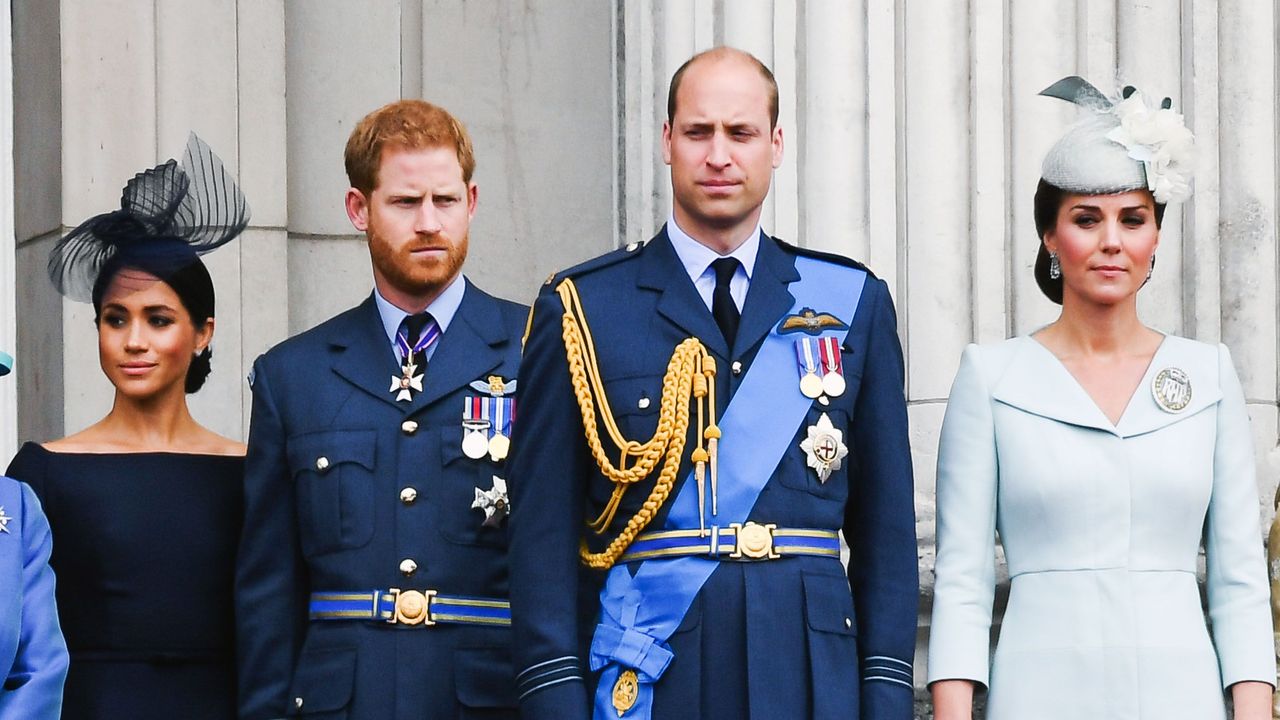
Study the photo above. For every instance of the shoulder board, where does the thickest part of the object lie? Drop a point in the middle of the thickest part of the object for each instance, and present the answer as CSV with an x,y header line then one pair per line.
x,y
596,263
831,257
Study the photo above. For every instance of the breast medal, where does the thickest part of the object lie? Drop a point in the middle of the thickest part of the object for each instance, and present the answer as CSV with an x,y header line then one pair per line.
x,y
824,448
475,427
1171,389
832,367
493,502
807,358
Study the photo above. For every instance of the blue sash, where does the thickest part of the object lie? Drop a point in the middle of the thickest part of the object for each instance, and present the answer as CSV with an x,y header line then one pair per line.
x,y
640,612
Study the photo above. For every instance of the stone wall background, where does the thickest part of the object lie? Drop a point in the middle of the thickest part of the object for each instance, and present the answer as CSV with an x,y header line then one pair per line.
x,y
913,141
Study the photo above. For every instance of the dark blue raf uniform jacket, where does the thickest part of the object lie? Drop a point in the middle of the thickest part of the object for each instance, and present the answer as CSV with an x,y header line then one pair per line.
x,y
345,523
787,638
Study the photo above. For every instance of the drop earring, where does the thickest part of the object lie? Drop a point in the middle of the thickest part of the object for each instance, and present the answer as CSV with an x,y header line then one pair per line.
x,y
1152,268
1055,267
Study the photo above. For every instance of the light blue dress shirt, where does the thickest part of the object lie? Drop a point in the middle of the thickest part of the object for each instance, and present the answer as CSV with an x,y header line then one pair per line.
x,y
442,310
697,259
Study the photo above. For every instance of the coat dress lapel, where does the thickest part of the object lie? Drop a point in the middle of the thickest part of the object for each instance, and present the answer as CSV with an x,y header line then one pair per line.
x,y
1035,381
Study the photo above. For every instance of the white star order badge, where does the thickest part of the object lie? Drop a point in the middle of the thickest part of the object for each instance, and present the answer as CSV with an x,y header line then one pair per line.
x,y
493,502
824,448
403,384
4,520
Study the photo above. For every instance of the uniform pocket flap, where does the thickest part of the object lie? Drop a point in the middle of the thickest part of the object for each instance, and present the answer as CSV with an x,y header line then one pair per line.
x,y
323,681
321,451
485,678
829,604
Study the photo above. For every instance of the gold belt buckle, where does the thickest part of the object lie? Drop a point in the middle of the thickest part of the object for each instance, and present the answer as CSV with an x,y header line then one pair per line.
x,y
753,541
412,607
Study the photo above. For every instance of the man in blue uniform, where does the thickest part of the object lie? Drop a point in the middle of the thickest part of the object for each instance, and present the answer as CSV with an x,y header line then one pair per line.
x,y
372,576
700,417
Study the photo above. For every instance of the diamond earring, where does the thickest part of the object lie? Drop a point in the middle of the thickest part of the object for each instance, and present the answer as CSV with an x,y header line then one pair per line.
x,y
1153,266
1055,267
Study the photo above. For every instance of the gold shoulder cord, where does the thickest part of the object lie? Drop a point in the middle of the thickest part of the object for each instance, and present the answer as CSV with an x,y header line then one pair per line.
x,y
690,373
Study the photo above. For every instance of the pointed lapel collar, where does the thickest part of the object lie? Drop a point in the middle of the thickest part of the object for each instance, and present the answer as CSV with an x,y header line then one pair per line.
x,y
1037,382
680,303
1199,361
366,359
768,298
467,351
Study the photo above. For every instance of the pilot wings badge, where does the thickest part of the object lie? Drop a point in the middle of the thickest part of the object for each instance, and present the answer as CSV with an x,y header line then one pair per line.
x,y
810,322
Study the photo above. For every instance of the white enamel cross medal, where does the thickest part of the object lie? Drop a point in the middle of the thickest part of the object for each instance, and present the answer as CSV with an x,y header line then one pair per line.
x,y
407,382
824,448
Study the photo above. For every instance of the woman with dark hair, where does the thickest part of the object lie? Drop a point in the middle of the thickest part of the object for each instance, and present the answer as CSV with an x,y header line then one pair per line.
x,y
33,655
145,504
1104,453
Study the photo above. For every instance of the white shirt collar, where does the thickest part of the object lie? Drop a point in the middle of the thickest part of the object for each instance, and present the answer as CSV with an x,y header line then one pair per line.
x,y
442,309
697,257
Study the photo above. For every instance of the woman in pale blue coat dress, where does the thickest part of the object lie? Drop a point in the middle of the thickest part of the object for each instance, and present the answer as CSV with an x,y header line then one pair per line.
x,y
1104,453
33,655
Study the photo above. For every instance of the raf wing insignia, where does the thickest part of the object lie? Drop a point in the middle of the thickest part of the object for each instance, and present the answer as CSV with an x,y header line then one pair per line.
x,y
810,322
4,520
495,386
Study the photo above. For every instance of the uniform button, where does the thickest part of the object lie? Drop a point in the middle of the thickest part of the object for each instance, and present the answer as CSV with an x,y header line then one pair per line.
x,y
322,463
633,247
408,566
297,703
736,367
644,403
409,427
848,623
408,495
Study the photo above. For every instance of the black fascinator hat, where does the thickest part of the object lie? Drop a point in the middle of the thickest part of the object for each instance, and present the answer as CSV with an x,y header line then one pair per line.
x,y
168,217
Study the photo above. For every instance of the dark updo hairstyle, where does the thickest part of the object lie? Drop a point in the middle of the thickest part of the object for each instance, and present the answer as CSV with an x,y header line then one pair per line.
x,y
1048,201
177,266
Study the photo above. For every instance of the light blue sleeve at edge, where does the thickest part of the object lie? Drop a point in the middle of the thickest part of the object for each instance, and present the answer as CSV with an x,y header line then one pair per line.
x,y
40,666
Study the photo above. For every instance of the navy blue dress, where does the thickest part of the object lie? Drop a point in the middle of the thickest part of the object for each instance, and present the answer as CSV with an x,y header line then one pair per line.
x,y
144,551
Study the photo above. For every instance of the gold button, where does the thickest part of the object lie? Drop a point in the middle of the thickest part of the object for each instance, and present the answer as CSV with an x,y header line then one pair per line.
x,y
322,463
644,403
408,566
736,367
409,427
848,623
408,495
297,703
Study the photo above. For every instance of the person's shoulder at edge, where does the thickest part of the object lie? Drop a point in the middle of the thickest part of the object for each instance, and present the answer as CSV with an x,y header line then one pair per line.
x,y
824,255
590,267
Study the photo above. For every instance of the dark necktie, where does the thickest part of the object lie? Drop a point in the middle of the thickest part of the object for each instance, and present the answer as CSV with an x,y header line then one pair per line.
x,y
723,308
413,327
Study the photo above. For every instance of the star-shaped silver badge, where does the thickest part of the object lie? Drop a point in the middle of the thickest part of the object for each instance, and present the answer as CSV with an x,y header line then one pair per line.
x,y
401,385
493,502
824,448
4,520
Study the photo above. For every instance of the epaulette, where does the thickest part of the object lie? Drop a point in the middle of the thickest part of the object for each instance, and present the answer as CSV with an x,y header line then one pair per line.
x,y
829,256
602,261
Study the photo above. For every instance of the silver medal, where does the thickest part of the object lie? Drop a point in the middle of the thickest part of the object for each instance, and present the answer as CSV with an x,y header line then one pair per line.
x,y
1171,390
824,447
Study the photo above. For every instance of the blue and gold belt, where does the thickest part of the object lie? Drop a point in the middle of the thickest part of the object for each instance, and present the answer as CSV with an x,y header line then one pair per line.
x,y
409,607
738,542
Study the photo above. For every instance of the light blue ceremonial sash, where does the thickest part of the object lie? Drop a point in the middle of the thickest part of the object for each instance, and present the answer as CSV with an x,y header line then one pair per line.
x,y
640,612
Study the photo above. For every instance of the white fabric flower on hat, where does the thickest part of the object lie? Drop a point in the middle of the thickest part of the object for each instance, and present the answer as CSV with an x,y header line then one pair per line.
x,y
1160,140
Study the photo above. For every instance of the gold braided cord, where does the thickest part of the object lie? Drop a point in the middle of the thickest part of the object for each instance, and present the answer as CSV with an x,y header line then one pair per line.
x,y
689,371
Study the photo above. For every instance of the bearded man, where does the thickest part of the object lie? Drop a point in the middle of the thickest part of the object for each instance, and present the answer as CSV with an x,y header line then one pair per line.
x,y
372,575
